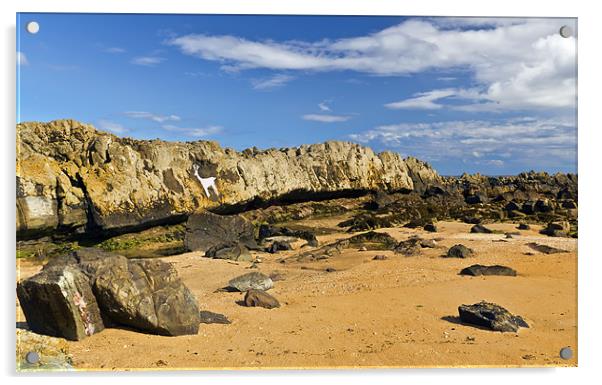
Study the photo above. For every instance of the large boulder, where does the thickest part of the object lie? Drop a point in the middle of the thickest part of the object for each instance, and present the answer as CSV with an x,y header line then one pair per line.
x,y
75,293
205,230
59,302
491,316
149,296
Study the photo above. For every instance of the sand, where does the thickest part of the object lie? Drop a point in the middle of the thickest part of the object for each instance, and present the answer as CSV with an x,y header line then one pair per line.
x,y
400,312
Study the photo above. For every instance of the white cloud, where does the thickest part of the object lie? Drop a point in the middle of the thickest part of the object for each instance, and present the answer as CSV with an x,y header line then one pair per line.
x,y
272,82
151,116
148,61
114,50
538,142
517,63
422,100
113,127
197,132
326,118
22,59
323,106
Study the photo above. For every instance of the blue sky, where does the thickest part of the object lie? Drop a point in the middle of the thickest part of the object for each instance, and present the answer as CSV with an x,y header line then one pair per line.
x,y
496,96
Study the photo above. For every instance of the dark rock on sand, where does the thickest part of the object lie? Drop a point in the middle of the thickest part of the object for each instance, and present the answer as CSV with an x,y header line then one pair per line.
x,y
557,229
430,227
205,230
380,257
491,316
260,298
373,240
476,270
277,246
233,251
524,226
408,247
545,248
416,223
147,295
59,302
254,280
208,317
459,251
330,270
480,229
267,231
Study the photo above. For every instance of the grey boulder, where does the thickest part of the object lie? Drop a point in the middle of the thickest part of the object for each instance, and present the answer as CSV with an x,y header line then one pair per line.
x,y
149,296
254,280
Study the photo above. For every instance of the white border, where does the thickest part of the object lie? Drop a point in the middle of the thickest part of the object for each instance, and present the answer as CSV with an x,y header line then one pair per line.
x,y
590,109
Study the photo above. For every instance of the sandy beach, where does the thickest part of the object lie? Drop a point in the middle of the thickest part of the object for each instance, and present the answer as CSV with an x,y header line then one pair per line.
x,y
398,312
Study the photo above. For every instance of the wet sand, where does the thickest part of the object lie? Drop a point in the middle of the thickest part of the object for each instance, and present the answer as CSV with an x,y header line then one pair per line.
x,y
399,312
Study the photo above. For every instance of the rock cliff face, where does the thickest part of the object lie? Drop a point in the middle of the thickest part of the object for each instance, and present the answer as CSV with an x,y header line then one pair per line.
x,y
73,178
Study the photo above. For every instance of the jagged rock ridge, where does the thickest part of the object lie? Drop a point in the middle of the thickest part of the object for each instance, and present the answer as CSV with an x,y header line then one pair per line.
x,y
73,178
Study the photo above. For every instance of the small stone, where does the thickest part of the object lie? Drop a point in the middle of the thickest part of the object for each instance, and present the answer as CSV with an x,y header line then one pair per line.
x,y
380,257
480,229
330,270
459,251
363,248
428,243
208,317
524,226
430,227
254,298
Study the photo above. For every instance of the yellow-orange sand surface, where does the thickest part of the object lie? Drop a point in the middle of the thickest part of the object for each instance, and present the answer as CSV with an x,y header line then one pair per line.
x,y
399,312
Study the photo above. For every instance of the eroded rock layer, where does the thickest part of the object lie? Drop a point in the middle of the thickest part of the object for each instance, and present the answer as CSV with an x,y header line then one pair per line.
x,y
73,178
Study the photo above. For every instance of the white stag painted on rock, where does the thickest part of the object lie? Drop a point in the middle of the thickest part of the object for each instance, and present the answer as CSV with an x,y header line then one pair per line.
x,y
207,183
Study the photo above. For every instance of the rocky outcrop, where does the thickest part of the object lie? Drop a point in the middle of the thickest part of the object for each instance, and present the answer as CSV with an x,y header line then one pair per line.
x,y
71,177
76,295
206,231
